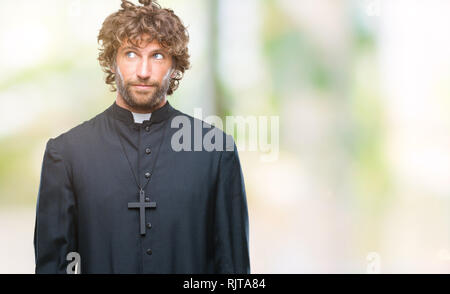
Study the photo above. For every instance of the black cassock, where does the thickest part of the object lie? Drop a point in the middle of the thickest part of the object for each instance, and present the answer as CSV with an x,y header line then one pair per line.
x,y
194,217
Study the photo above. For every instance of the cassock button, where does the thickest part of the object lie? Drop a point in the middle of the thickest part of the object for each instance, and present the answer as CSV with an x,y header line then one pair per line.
x,y
147,128
147,175
149,225
149,251
148,151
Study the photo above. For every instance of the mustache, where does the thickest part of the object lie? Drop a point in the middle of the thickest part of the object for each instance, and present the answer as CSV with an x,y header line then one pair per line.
x,y
150,84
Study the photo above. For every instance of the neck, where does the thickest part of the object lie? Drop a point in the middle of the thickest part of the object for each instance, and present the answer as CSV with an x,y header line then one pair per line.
x,y
121,102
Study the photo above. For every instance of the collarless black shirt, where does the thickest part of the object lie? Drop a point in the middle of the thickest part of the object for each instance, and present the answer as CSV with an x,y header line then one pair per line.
x,y
199,225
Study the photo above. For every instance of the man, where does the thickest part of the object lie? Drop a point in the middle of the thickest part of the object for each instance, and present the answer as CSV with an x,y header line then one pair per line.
x,y
116,193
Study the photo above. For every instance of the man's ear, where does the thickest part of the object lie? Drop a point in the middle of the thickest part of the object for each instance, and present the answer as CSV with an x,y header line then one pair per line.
x,y
113,66
174,74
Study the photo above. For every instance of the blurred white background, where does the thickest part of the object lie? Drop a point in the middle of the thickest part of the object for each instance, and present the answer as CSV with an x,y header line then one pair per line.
x,y
361,88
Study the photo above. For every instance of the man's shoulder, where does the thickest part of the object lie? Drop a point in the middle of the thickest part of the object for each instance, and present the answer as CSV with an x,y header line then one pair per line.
x,y
207,130
214,123
77,134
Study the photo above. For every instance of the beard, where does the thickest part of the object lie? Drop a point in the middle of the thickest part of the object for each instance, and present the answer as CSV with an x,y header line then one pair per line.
x,y
149,99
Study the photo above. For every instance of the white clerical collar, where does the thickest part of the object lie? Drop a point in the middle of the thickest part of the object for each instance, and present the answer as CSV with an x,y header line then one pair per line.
x,y
140,117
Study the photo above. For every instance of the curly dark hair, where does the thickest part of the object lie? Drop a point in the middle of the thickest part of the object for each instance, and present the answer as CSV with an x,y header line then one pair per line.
x,y
130,23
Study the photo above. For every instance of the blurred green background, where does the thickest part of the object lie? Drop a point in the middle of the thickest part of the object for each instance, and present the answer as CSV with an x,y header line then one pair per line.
x,y
361,89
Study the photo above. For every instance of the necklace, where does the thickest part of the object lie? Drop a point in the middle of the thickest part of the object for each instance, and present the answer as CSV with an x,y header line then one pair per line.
x,y
144,202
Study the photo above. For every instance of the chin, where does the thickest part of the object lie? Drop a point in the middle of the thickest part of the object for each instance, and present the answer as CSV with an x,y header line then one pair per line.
x,y
143,92
150,103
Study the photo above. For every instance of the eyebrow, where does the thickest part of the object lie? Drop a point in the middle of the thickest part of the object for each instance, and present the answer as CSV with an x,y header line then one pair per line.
x,y
137,49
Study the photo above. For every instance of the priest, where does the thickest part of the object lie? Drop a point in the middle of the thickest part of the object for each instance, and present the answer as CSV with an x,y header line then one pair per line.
x,y
116,193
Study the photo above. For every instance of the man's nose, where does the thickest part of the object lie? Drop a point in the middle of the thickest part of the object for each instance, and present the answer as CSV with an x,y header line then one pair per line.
x,y
144,69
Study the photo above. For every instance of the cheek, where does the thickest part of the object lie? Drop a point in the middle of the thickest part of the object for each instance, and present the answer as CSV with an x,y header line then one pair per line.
x,y
126,69
164,73
127,73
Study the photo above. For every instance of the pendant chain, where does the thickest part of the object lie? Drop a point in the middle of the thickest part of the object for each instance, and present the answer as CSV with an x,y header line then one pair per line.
x,y
129,162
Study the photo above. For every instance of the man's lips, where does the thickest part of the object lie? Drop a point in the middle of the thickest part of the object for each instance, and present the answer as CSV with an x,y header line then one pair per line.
x,y
143,86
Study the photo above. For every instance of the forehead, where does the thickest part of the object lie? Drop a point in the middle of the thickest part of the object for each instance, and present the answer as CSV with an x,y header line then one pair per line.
x,y
143,45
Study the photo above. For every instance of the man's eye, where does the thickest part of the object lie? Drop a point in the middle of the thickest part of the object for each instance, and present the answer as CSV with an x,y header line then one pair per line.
x,y
159,56
131,54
